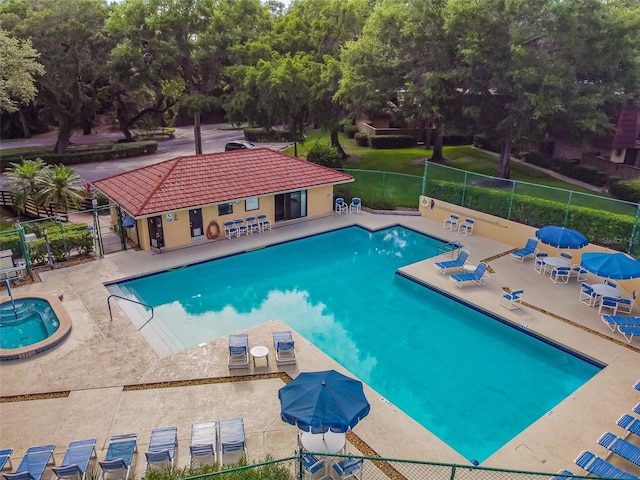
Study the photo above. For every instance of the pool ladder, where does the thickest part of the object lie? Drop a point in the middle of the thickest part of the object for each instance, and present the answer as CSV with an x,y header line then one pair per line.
x,y
132,301
449,247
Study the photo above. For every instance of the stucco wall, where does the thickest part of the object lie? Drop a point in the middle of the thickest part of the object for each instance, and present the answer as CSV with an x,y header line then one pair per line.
x,y
505,231
319,201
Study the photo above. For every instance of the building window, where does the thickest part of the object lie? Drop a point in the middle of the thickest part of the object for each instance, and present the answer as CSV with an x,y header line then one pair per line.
x,y
252,204
225,209
291,205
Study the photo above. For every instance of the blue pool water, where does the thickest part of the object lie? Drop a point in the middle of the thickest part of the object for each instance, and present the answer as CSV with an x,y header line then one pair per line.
x,y
32,321
468,378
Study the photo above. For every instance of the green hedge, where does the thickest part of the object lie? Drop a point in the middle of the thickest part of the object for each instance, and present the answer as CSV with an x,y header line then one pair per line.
x,y
392,141
627,190
66,241
252,134
362,139
590,175
325,154
602,228
85,154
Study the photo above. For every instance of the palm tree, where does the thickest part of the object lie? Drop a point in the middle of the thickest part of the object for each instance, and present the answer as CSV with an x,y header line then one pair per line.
x,y
59,186
22,180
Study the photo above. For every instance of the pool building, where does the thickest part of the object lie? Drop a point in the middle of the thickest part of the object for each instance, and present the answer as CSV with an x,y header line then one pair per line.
x,y
187,200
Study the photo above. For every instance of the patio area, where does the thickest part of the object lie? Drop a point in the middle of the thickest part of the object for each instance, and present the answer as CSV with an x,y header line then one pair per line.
x,y
105,379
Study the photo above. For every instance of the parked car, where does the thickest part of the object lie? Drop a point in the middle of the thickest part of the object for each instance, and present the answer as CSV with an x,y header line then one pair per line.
x,y
238,145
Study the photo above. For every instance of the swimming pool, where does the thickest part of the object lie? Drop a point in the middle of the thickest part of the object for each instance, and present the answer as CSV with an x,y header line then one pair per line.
x,y
471,380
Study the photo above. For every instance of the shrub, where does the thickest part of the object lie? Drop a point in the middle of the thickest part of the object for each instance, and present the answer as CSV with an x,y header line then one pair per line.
x,y
486,143
350,130
344,123
362,139
86,154
539,159
392,141
450,140
325,154
627,190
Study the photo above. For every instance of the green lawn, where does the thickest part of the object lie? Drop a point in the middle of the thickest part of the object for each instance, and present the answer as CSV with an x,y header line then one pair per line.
x,y
401,190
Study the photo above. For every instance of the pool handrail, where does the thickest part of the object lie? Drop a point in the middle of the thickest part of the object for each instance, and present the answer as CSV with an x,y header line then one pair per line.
x,y
129,300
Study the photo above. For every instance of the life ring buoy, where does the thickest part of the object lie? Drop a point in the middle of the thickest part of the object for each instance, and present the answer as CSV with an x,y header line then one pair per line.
x,y
213,230
425,201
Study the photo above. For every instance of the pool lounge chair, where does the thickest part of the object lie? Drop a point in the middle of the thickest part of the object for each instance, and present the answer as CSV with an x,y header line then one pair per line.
x,y
630,424
601,468
76,460
349,468
478,276
612,321
33,464
238,350
562,475
233,445
457,263
204,445
620,447
284,346
5,458
162,447
117,463
629,331
637,385
529,250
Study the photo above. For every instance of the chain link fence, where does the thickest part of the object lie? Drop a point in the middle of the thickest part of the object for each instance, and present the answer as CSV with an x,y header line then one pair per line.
x,y
64,238
373,468
605,221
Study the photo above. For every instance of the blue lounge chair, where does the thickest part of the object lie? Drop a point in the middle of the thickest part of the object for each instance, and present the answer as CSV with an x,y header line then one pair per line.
x,y
562,475
601,468
117,463
629,331
620,447
458,263
636,409
233,445
238,350
529,250
478,276
349,468
76,460
637,385
204,445
33,463
629,423
5,458
284,346
612,321
162,447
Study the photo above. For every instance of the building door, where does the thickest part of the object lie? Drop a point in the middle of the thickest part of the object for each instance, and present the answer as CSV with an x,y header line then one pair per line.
x,y
291,205
195,222
156,235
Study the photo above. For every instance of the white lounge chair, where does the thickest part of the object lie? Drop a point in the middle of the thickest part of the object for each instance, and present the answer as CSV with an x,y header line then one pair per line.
x,y
233,445
238,350
204,445
629,331
478,276
527,251
5,458
458,263
284,346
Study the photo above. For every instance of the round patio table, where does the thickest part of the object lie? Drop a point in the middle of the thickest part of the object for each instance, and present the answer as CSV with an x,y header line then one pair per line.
x,y
328,442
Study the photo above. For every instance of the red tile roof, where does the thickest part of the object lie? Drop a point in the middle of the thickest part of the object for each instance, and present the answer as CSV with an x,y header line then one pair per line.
x,y
199,180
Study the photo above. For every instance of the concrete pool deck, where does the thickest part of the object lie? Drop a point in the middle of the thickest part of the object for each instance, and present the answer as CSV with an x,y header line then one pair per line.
x,y
117,384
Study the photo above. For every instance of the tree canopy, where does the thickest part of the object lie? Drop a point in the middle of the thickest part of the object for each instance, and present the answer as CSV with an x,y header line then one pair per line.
x,y
511,69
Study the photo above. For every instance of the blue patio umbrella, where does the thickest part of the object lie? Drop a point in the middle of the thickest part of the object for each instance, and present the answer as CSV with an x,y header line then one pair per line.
x,y
616,266
561,237
320,401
